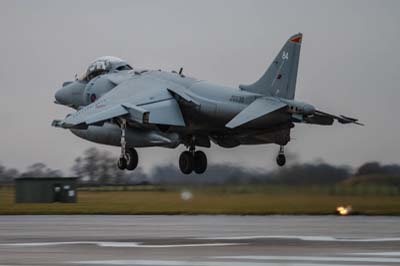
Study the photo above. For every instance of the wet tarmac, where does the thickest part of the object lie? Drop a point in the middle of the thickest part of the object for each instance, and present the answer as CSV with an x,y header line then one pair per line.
x,y
199,240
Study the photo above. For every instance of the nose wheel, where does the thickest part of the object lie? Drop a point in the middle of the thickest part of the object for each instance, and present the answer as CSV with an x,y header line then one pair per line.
x,y
128,159
281,158
192,160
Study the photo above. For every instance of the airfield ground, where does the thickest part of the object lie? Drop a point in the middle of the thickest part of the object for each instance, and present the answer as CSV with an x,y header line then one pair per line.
x,y
239,200
201,240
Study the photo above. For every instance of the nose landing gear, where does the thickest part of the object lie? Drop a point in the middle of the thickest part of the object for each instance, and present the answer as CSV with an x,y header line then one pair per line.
x,y
192,160
121,163
129,158
281,158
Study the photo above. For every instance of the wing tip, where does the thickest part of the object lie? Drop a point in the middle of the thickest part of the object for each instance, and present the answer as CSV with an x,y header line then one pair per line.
x,y
230,125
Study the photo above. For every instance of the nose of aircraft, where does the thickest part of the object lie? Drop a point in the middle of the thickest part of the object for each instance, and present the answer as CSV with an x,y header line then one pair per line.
x,y
62,96
71,94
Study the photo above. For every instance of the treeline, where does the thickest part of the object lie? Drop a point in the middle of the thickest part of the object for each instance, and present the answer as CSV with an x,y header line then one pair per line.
x,y
98,167
372,173
7,175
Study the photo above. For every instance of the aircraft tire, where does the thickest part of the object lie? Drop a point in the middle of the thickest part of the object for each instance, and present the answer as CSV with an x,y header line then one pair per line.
x,y
186,162
281,159
200,162
132,159
121,163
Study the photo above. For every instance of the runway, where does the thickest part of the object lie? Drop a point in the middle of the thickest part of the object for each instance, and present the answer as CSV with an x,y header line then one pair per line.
x,y
199,240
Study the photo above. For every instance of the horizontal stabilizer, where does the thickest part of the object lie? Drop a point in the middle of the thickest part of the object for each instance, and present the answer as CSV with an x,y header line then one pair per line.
x,y
341,119
260,107
347,120
319,120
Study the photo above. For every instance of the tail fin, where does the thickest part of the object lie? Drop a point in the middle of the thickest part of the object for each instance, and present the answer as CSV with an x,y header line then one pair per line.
x,y
280,78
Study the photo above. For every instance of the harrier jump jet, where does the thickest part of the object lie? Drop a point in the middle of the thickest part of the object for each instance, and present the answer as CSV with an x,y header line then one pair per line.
x,y
133,108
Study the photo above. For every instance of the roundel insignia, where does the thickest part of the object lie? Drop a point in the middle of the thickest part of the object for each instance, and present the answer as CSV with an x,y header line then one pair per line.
x,y
93,97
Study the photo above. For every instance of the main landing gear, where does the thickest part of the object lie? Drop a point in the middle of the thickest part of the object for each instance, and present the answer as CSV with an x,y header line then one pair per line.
x,y
281,158
192,160
129,158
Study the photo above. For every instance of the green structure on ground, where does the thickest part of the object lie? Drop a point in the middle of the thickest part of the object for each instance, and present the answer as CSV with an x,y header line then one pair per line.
x,y
45,190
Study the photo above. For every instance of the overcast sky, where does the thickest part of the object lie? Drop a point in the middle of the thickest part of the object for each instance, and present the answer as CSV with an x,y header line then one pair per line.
x,y
350,64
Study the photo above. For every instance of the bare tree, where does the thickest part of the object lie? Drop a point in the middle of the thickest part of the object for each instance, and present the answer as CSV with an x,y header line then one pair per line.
x,y
7,175
98,166
41,170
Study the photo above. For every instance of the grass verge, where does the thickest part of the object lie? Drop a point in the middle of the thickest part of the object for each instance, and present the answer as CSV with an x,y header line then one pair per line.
x,y
247,200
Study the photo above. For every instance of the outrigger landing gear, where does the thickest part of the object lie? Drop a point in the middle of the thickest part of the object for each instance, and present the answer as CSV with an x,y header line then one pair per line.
x,y
281,159
129,158
193,160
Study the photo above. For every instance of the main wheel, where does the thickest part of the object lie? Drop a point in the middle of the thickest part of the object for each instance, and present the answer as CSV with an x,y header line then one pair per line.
x,y
121,163
200,162
186,162
281,159
132,159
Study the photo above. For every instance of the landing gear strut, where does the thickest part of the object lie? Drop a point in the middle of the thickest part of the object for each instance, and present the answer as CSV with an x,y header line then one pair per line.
x,y
281,158
193,160
129,158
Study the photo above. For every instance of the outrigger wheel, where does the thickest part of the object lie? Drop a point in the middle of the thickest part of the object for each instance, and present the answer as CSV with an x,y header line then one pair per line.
x,y
281,159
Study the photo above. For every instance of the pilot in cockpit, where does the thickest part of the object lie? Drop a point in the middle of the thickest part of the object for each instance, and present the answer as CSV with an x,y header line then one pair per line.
x,y
103,65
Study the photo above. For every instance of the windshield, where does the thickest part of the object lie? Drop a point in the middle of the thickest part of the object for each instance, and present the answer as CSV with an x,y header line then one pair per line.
x,y
104,65
97,68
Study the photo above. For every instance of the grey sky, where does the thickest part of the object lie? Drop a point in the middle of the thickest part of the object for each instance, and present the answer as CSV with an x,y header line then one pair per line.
x,y
349,65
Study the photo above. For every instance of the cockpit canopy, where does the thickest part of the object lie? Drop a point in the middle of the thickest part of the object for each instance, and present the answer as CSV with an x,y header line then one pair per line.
x,y
105,64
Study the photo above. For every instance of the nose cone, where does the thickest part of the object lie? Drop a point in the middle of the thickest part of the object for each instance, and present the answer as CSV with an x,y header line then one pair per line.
x,y
62,96
71,94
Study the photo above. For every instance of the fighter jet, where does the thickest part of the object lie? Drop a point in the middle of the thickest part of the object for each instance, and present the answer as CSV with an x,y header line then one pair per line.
x,y
133,108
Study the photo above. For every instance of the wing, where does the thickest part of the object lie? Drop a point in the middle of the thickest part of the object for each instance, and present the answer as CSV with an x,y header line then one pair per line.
x,y
143,101
322,118
260,107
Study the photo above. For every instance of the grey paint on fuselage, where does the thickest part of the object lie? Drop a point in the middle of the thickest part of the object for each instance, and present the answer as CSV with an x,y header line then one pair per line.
x,y
217,105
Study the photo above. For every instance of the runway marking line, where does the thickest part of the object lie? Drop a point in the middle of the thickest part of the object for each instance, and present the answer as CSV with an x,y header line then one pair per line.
x,y
118,244
200,263
304,238
312,258
386,254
